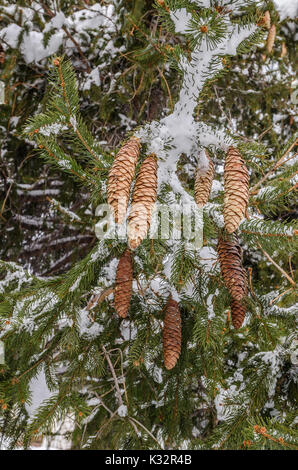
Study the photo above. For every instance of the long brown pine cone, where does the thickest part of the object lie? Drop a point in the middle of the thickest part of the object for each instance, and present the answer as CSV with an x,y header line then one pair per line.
x,y
121,176
171,334
232,271
271,39
203,182
237,313
143,199
236,180
123,287
265,20
2,55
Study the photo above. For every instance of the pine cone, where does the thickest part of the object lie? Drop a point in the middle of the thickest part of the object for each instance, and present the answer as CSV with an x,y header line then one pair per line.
x,y
203,183
265,20
143,199
236,181
284,50
123,287
171,334
232,271
238,313
2,55
120,177
271,39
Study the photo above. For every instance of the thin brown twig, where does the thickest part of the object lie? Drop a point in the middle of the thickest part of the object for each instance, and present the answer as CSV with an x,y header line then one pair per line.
x,y
250,281
5,199
280,162
118,391
276,265
267,234
167,85
290,265
264,133
264,433
280,295
147,430
146,36
98,298
133,421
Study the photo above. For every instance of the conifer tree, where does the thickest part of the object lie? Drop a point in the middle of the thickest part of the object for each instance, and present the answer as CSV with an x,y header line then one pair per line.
x,y
184,81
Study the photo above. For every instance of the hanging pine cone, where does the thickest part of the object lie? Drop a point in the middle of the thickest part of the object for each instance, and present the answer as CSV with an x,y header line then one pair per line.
x,y
203,182
236,181
143,199
123,287
171,334
265,20
232,271
2,55
271,39
120,177
237,313
284,50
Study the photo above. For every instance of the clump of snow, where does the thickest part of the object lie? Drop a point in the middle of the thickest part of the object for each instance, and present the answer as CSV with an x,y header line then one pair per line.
x,y
87,326
70,214
122,411
58,21
157,374
203,162
109,271
128,330
39,392
93,78
181,19
287,8
209,302
76,284
208,257
99,23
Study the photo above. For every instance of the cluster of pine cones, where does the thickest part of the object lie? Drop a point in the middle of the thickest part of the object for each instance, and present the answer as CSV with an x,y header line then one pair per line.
x,y
265,22
172,320
236,185
144,193
236,194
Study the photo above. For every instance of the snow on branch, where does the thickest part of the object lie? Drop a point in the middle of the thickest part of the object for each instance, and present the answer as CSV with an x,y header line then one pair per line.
x,y
180,132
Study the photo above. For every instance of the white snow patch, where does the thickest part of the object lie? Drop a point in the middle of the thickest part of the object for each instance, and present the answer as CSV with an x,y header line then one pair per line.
x,y
287,8
40,392
122,411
